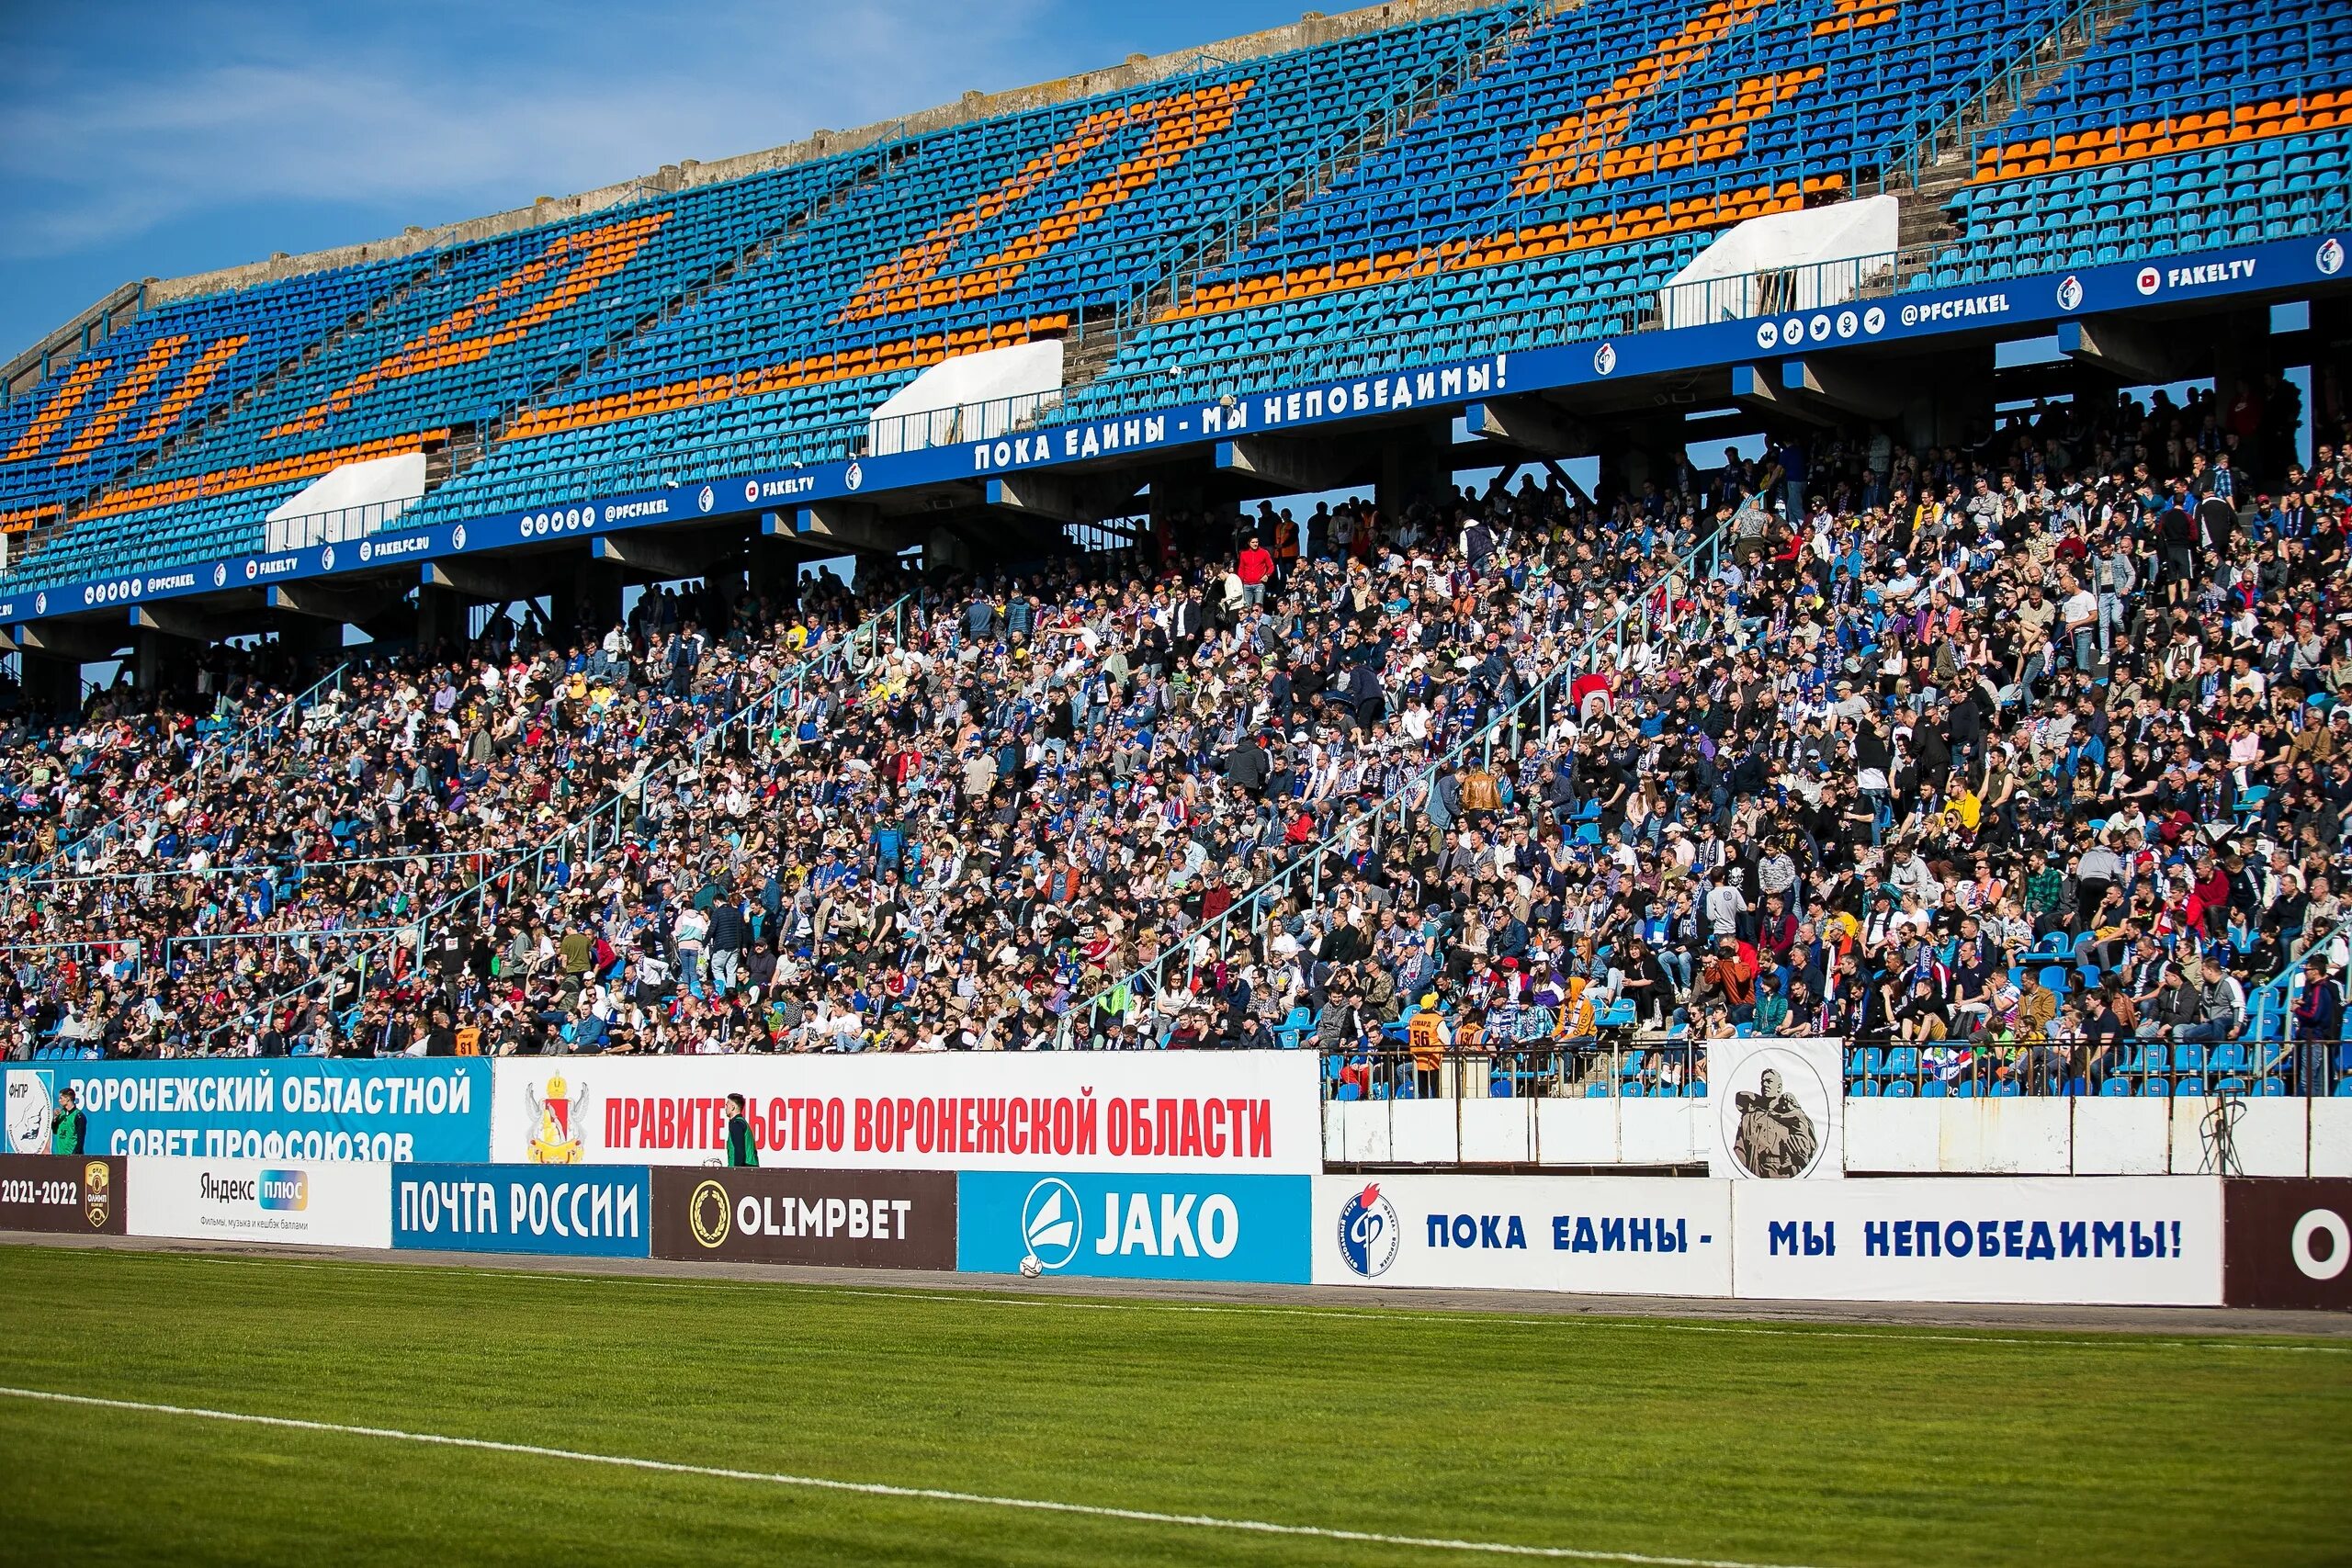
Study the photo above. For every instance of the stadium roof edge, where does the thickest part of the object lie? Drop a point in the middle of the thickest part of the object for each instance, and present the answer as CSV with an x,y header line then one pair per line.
x,y
1311,29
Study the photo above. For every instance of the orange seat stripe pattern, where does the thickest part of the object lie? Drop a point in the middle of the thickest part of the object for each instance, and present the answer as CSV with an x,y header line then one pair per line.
x,y
811,371
911,281
121,401
25,519
69,397
252,475
1852,16
200,376
2164,137
1569,153
1686,215
582,260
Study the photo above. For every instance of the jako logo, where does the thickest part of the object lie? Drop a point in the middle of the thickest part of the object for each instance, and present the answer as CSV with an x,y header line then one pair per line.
x,y
1050,1224
1214,1234
285,1190
1369,1232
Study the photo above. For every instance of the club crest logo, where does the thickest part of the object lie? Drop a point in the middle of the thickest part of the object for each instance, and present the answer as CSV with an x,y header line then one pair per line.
x,y
97,1193
1604,359
2070,293
1369,1232
556,1120
707,500
2331,256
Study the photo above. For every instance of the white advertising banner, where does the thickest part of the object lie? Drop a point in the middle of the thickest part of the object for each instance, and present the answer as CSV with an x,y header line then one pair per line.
x,y
1605,1234
2122,1240
319,1203
1777,1109
1251,1111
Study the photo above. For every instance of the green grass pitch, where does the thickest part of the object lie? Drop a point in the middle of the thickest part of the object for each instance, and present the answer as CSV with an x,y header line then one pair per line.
x,y
1779,1444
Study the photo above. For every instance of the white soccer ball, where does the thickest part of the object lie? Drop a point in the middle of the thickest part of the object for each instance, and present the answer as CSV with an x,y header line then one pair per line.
x,y
1031,1269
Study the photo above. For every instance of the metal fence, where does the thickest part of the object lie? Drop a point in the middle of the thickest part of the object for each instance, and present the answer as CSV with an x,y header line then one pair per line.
x,y
1615,1065
335,527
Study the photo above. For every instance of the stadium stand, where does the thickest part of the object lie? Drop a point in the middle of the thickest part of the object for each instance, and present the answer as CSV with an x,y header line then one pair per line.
x,y
162,376
2225,121
1499,222
788,358
2009,747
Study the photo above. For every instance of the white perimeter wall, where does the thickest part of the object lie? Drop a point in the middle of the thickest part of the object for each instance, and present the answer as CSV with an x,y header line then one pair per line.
x,y
2020,1136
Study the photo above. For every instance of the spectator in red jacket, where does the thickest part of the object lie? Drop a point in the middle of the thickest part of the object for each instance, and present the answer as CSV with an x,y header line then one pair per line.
x,y
1253,567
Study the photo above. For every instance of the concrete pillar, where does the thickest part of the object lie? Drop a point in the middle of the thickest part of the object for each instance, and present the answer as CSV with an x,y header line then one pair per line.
x,y
440,617
1416,464
586,604
53,686
775,573
943,549
308,639
162,663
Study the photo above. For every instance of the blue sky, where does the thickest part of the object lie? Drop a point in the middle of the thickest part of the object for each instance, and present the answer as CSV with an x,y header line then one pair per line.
x,y
150,141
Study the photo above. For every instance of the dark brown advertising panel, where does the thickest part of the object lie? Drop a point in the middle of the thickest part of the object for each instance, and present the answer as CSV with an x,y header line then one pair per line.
x,y
868,1219
2287,1241
62,1193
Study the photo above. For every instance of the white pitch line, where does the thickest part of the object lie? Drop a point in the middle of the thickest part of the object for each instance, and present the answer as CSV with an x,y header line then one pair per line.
x,y
883,1489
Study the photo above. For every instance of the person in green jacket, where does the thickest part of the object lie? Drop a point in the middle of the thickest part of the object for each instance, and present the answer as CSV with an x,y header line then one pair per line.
x,y
739,1149
70,1127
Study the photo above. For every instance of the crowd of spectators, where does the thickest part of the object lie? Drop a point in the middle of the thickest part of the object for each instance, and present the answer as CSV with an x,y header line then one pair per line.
x,y
2017,754
2014,758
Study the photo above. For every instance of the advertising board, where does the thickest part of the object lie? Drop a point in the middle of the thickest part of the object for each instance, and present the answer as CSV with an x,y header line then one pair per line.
x,y
82,1195
2288,1243
1183,1226
604,1213
1228,1111
1612,1235
2119,1240
863,1219
311,1112
321,1204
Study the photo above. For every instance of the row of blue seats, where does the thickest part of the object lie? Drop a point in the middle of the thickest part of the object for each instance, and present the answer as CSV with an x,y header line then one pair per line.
x,y
2234,1056
2153,1086
1504,1087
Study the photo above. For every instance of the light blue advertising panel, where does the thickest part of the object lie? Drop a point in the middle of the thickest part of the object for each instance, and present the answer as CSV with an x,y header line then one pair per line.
x,y
603,1210
1134,1227
313,1111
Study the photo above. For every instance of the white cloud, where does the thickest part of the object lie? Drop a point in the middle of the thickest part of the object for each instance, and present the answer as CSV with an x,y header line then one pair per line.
x,y
242,108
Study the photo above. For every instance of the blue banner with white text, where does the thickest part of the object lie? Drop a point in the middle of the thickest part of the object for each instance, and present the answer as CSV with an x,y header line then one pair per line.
x,y
575,1210
1118,1225
278,1109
